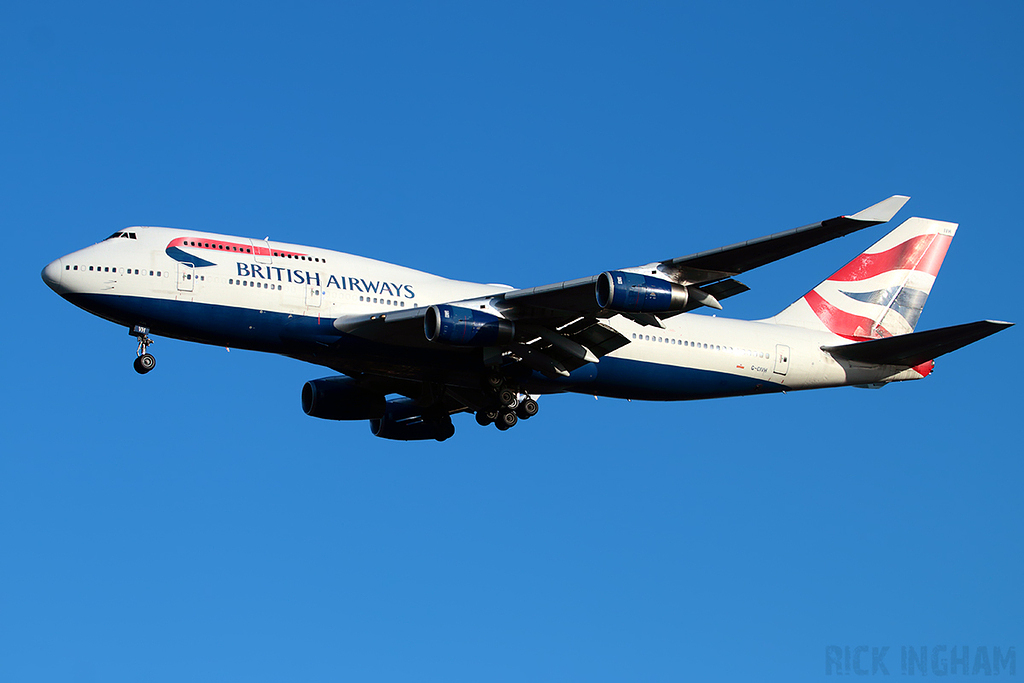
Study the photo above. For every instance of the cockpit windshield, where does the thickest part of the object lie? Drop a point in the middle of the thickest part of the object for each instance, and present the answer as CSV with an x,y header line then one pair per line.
x,y
123,235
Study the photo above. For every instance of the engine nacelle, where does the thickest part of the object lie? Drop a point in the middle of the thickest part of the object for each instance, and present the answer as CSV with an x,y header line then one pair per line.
x,y
459,326
634,293
340,398
403,420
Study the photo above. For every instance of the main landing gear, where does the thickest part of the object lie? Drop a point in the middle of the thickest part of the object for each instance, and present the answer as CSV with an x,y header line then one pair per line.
x,y
145,361
510,407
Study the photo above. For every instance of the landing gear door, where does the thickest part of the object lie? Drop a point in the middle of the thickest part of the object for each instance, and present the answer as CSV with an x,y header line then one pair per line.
x,y
186,277
260,251
781,359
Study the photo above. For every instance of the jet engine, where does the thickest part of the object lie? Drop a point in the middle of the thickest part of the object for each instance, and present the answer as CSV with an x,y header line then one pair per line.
x,y
340,398
459,326
634,293
403,420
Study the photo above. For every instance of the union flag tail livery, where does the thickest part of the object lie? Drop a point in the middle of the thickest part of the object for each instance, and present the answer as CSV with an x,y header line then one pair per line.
x,y
413,349
881,292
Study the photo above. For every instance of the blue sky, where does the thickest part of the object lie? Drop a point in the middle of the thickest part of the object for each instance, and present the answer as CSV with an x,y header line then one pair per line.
x,y
193,524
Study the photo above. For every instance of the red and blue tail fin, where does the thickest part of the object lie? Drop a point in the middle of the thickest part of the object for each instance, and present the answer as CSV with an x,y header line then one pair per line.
x,y
881,292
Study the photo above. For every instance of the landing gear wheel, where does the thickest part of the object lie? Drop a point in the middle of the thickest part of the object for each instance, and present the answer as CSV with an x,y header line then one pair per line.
x,y
506,420
483,418
527,409
507,397
444,430
144,363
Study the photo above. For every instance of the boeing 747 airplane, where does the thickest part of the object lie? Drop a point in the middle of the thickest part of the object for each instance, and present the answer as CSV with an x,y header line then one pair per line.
x,y
412,349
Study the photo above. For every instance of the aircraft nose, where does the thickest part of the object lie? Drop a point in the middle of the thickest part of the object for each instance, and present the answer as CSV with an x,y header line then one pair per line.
x,y
52,274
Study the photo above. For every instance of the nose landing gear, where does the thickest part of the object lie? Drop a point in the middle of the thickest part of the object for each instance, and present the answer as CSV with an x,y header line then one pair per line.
x,y
144,361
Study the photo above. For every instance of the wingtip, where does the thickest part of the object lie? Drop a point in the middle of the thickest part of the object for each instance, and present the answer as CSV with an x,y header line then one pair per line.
x,y
883,211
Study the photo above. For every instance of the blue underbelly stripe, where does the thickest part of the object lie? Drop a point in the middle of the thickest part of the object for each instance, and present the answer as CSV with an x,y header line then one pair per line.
x,y
644,380
292,335
215,324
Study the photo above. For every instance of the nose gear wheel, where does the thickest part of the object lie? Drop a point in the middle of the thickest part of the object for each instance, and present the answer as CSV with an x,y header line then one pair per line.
x,y
144,361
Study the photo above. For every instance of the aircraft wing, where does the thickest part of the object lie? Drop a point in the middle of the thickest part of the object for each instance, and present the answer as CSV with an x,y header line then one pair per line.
x,y
559,326
710,272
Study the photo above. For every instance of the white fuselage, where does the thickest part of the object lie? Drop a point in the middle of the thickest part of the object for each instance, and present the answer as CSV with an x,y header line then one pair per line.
x,y
282,298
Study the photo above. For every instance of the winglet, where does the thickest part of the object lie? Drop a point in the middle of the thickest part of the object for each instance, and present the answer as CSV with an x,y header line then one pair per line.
x,y
883,211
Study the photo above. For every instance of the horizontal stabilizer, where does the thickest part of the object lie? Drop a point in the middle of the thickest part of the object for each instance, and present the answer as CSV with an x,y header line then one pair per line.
x,y
916,348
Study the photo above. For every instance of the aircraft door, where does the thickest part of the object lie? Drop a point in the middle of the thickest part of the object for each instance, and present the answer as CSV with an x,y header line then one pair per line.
x,y
260,251
314,295
781,359
186,277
